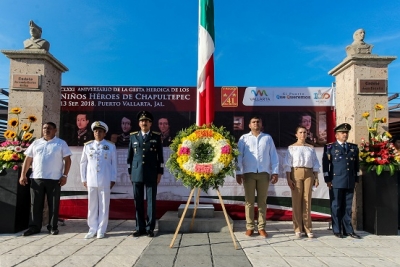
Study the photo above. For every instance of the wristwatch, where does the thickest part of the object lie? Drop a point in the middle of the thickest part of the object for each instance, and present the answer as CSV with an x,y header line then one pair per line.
x,y
64,175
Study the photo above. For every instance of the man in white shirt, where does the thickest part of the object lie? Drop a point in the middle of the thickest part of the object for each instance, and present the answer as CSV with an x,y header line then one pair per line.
x,y
50,159
258,164
98,174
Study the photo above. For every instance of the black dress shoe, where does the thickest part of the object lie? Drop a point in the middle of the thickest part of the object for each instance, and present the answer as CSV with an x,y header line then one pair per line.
x,y
150,233
138,233
30,231
338,235
354,235
54,232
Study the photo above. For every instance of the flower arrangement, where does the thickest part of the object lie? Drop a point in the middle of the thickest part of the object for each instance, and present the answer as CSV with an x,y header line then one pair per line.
x,y
18,139
202,156
378,153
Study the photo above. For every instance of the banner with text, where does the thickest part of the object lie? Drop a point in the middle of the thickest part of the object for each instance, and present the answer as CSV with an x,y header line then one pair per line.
x,y
173,108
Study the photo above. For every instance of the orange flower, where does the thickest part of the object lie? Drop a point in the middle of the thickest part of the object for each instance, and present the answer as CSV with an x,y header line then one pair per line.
x,y
378,107
12,134
6,134
365,115
25,127
27,136
204,133
32,118
15,111
13,123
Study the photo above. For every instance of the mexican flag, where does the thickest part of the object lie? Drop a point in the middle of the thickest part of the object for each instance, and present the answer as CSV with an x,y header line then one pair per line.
x,y
205,71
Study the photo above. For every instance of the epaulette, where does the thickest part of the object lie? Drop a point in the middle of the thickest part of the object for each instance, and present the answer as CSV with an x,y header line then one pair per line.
x,y
329,145
111,142
352,144
158,133
133,132
88,142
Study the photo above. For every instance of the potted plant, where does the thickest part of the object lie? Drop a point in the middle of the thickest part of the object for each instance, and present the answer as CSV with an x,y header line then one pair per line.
x,y
14,198
380,163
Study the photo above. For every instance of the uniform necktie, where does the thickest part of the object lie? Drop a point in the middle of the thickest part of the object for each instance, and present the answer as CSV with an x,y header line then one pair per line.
x,y
344,145
144,136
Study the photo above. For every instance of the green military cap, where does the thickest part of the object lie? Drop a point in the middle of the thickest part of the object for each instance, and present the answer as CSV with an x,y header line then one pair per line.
x,y
144,115
344,127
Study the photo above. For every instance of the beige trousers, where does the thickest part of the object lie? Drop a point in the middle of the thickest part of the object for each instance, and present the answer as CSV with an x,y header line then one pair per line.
x,y
301,199
251,183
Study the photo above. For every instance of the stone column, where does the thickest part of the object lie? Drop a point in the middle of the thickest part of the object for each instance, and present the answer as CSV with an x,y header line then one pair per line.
x,y
42,96
35,87
361,82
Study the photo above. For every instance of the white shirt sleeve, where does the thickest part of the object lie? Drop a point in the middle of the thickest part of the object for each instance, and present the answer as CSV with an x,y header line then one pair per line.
x,y
288,161
274,158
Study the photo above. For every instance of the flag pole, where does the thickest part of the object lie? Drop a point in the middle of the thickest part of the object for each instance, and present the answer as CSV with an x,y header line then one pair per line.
x,y
205,67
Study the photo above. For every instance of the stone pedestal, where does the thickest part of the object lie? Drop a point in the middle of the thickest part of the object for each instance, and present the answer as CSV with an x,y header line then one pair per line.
x,y
44,101
351,103
43,98
169,222
206,220
203,211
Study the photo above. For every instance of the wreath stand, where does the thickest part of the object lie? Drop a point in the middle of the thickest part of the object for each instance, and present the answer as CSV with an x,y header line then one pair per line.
x,y
194,215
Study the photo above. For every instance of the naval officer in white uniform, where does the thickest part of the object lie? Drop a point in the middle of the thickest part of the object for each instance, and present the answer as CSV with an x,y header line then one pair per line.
x,y
98,175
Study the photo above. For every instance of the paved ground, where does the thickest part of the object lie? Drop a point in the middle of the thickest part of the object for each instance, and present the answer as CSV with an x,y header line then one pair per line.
x,y
119,248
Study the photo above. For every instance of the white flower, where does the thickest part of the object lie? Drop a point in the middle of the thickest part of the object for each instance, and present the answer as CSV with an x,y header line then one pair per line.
x,y
189,165
187,143
217,167
18,149
385,138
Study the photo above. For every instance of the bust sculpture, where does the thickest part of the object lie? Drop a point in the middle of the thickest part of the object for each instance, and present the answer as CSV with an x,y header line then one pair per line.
x,y
359,46
36,42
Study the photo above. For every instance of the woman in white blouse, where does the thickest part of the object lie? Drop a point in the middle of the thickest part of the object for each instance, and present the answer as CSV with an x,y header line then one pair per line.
x,y
302,167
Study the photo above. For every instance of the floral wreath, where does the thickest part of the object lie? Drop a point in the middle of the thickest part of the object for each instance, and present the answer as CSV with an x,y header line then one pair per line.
x,y
202,156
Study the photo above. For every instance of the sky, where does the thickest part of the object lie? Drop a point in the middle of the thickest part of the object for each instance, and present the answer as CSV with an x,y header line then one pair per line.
x,y
154,42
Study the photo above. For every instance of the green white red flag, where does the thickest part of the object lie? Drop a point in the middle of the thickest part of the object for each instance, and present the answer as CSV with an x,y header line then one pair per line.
x,y
205,71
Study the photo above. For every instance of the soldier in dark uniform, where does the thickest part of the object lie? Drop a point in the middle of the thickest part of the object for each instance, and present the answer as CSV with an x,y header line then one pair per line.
x,y
82,134
340,163
145,158
166,134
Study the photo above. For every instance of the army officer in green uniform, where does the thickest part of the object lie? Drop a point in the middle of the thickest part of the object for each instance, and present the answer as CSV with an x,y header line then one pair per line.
x,y
146,166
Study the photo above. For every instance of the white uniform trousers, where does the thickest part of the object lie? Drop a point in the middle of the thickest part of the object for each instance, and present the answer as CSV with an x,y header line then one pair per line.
x,y
99,204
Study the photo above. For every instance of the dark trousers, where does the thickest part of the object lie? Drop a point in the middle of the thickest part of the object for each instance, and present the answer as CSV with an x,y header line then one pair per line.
x,y
39,189
341,204
143,224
